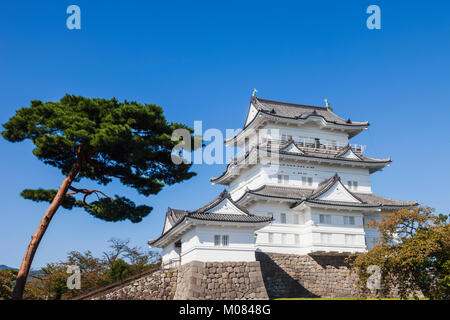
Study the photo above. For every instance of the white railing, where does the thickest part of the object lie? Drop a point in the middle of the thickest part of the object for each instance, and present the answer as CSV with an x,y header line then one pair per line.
x,y
311,145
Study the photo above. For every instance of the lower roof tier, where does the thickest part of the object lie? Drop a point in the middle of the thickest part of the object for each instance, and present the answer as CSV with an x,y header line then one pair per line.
x,y
330,192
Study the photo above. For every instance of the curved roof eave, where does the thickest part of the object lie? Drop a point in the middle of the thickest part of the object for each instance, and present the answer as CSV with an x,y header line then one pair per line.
x,y
378,163
356,126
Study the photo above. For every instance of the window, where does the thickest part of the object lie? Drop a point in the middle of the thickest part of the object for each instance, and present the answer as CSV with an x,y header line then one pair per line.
x,y
283,218
270,237
297,239
325,238
325,218
349,220
307,181
225,241
353,185
317,142
217,240
349,239
246,144
286,137
296,219
283,179
283,238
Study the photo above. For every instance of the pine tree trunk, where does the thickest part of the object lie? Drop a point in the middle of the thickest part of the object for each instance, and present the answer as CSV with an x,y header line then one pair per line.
x,y
40,231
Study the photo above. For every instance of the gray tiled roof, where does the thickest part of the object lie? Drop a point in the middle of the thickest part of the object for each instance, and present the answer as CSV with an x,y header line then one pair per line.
x,y
229,217
203,213
374,199
299,111
281,192
298,195
317,155
176,216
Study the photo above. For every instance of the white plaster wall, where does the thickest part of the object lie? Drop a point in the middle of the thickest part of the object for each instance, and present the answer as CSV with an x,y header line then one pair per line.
x,y
251,114
261,174
338,193
318,173
198,244
289,229
308,130
309,230
251,178
167,225
169,253
371,234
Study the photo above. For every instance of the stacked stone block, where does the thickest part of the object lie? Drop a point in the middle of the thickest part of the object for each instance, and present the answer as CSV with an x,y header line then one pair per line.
x,y
159,285
220,281
289,275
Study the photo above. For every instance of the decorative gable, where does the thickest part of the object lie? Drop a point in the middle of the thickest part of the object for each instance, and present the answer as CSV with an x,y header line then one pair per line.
x,y
226,207
292,148
338,192
350,155
167,224
251,114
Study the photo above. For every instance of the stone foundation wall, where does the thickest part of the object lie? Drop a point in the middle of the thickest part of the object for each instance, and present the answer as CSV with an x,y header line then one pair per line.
x,y
289,275
272,275
159,285
220,281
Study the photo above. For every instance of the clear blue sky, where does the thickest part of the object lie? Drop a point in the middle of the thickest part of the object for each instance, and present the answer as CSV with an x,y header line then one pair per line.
x,y
200,60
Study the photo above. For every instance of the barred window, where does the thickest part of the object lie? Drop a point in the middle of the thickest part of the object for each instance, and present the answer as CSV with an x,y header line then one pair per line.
x,y
325,218
225,241
283,179
349,220
217,240
307,181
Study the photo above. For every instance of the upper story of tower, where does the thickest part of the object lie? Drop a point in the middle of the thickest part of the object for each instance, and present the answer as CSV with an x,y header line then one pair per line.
x,y
311,126
296,146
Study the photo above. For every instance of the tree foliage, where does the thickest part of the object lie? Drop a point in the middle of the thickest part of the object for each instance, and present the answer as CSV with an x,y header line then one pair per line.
x,y
7,281
413,254
127,141
96,272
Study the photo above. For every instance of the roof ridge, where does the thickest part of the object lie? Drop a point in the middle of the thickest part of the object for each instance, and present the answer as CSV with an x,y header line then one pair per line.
x,y
222,196
290,103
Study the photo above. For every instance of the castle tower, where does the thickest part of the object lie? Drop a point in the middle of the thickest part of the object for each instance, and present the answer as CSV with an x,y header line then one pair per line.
x,y
299,167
